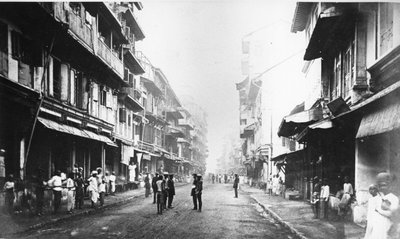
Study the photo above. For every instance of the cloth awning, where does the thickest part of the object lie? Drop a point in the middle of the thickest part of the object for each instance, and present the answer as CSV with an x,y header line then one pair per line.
x,y
322,124
295,123
330,29
75,131
380,121
287,157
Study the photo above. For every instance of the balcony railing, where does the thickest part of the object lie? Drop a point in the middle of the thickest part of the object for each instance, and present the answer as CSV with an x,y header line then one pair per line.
x,y
110,58
78,26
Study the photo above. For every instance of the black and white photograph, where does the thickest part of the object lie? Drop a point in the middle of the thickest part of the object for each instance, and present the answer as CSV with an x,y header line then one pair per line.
x,y
209,119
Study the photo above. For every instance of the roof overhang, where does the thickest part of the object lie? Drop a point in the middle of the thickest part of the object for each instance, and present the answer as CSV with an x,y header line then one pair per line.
x,y
137,29
300,17
334,26
150,85
309,130
133,63
295,123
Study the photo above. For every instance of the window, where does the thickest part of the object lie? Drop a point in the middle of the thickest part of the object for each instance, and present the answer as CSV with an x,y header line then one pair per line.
x,y
56,78
243,122
385,27
3,49
103,96
122,115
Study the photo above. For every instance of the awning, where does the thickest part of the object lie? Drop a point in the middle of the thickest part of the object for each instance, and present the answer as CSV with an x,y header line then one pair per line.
x,y
75,131
331,29
379,121
294,124
248,130
323,124
287,157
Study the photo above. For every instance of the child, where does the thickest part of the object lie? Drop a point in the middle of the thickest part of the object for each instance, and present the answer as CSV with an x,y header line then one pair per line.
x,y
102,190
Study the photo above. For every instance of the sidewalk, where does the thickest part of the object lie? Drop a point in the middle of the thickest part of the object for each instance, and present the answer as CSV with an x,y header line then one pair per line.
x,y
21,223
299,218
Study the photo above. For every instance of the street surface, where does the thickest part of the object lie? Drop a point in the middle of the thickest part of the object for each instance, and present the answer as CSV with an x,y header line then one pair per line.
x,y
222,216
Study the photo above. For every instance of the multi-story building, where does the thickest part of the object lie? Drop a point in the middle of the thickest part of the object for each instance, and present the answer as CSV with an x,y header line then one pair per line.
x,y
352,57
69,90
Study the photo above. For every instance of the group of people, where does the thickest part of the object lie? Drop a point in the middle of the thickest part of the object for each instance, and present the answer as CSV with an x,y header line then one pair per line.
x,y
383,210
73,183
275,185
323,201
163,190
221,178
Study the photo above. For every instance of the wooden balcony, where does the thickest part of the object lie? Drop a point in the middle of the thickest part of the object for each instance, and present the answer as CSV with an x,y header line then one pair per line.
x,y
110,58
78,27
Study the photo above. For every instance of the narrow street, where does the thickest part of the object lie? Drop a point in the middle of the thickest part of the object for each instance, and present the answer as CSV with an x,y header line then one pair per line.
x,y
223,216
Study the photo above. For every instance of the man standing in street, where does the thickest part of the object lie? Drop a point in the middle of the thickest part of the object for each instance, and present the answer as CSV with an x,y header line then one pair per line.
x,y
236,185
166,189
199,191
171,190
154,186
193,192
56,183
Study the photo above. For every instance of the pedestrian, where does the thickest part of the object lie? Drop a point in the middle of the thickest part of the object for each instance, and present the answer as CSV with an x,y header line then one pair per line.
x,y
269,186
93,188
324,197
171,190
236,185
107,182
79,191
160,197
199,191
193,192
166,189
275,185
112,183
147,185
386,206
154,186
70,185
9,193
213,178
372,202
316,196
102,190
75,170
344,205
39,191
56,184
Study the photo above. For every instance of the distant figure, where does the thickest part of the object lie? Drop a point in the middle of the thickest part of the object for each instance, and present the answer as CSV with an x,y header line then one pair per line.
x,y
171,190
199,191
160,198
147,185
316,196
324,197
166,189
154,186
344,205
79,191
107,182
193,191
102,190
112,183
269,186
56,183
93,188
225,178
236,185
70,185
275,185
9,193
213,178
40,187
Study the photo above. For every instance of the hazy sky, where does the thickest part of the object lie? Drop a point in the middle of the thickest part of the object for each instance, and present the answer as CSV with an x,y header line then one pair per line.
x,y
197,44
